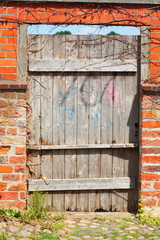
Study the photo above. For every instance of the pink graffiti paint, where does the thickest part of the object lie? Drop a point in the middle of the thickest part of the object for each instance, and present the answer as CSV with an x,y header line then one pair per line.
x,y
112,94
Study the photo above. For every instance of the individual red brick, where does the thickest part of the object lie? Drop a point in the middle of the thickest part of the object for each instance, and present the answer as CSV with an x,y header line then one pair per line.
x,y
17,123
8,62
155,21
154,71
3,10
155,56
17,159
149,203
148,105
4,122
10,77
17,187
1,113
145,185
146,142
12,131
8,69
2,40
9,47
21,204
3,186
20,168
151,168
155,34
8,195
14,140
12,10
11,54
157,185
12,40
2,54
150,124
12,114
149,177
8,95
150,193
2,131
152,114
12,25
19,103
22,132
9,32
20,150
22,96
23,177
13,204
154,64
151,159
3,104
22,195
11,177
4,149
151,134
6,169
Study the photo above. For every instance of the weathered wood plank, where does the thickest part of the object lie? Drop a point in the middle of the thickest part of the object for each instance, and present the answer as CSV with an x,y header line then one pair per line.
x,y
70,114
82,184
106,123
145,45
82,124
22,53
58,138
34,99
87,146
82,65
94,105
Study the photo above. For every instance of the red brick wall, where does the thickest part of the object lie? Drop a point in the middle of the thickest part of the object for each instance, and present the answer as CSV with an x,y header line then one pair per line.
x,y
12,105
13,148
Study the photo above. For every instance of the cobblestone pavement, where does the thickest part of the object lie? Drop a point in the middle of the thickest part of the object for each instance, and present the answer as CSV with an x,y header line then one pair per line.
x,y
73,226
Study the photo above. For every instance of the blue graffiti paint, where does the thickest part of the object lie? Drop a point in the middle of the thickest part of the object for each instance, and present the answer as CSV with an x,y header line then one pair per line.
x,y
66,95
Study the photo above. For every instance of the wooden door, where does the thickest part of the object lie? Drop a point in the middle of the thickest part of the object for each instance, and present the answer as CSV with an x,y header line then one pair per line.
x,y
83,114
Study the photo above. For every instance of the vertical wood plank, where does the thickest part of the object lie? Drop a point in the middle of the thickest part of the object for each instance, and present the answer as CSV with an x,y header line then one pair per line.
x,y
46,112
106,137
22,53
82,124
145,45
106,121
95,120
58,80
118,124
34,105
71,121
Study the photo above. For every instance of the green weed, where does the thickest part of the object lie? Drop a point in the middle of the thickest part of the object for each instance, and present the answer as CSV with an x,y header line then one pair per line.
x,y
10,213
3,236
37,208
98,217
48,236
59,216
143,219
115,233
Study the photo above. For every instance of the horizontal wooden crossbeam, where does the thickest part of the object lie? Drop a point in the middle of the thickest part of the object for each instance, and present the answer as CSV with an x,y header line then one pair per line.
x,y
82,65
87,146
81,184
